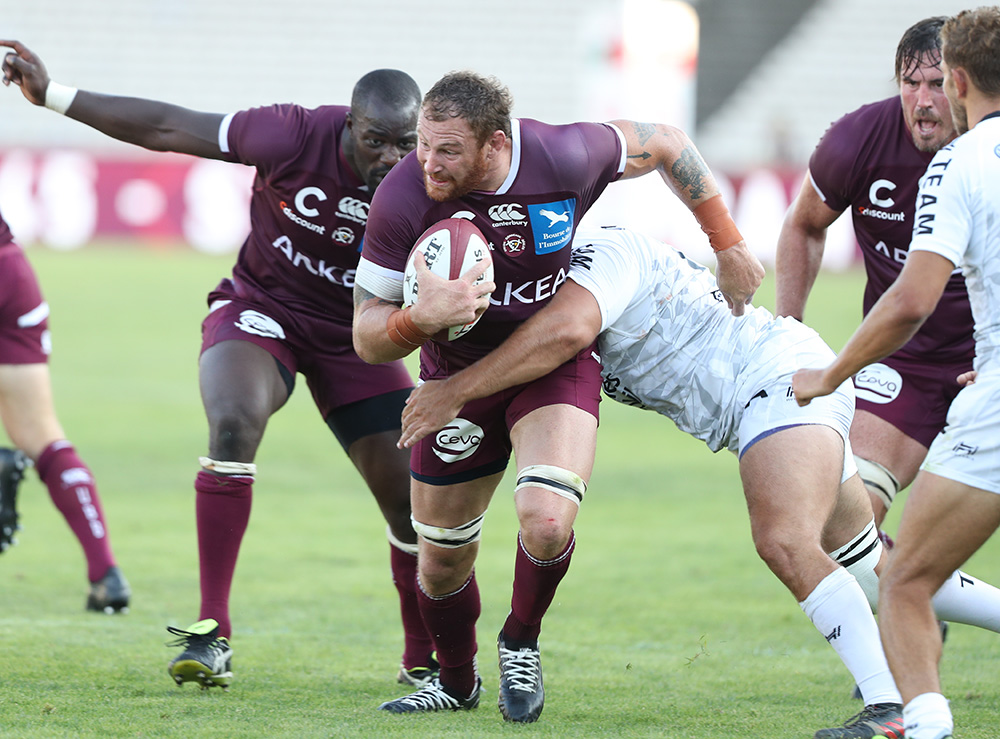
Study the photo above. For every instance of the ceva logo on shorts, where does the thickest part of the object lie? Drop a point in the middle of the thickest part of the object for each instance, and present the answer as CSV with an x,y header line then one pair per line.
x,y
254,322
552,224
457,440
878,383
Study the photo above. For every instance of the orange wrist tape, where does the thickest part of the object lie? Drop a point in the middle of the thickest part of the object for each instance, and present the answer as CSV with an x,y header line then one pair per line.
x,y
403,331
714,219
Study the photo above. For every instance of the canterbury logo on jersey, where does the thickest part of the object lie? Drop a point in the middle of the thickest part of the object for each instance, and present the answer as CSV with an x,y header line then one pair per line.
x,y
507,214
353,210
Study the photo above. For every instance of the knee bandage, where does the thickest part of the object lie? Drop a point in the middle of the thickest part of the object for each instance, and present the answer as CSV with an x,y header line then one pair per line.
x,y
557,480
243,469
859,556
878,480
399,543
455,538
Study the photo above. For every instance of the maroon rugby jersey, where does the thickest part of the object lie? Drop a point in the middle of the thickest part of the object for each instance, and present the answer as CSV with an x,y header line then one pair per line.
x,y
867,162
308,209
556,174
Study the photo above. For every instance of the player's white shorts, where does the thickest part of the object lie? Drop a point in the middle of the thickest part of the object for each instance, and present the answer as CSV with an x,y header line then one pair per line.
x,y
968,449
771,405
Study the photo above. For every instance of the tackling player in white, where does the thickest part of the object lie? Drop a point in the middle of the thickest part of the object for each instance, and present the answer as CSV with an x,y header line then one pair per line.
x,y
669,343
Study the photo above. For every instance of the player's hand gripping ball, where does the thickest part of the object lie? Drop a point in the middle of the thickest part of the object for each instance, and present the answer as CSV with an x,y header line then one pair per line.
x,y
450,247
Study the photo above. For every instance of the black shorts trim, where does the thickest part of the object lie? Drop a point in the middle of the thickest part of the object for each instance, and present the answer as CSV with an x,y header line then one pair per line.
x,y
485,470
369,416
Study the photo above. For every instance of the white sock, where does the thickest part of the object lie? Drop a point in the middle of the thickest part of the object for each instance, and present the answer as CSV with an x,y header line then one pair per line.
x,y
839,609
966,600
927,717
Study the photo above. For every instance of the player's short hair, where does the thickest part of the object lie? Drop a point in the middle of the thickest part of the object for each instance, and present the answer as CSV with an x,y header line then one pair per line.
x,y
971,40
920,40
484,102
394,88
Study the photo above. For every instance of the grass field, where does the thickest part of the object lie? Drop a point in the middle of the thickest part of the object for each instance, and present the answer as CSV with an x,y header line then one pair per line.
x,y
668,625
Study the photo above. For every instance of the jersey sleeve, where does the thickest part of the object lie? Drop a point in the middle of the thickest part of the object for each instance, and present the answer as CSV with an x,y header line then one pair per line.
x,y
604,155
943,220
264,137
832,164
607,269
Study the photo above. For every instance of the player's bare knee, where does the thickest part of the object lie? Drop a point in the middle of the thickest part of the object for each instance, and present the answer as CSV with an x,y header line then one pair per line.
x,y
897,585
910,576
234,437
394,502
442,571
785,551
545,539
776,555
547,526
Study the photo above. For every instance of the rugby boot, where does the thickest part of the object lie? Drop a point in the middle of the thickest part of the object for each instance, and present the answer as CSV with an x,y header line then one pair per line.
x,y
418,677
13,463
880,719
433,697
522,695
207,658
110,594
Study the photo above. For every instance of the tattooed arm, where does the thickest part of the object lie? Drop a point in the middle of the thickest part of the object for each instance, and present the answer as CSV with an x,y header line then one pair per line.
x,y
669,151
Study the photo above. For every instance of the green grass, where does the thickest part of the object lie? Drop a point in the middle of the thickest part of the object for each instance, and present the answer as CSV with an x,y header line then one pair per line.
x,y
668,625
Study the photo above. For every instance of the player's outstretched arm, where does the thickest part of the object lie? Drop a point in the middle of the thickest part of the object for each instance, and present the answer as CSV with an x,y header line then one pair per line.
x,y
551,337
147,123
800,249
892,321
668,151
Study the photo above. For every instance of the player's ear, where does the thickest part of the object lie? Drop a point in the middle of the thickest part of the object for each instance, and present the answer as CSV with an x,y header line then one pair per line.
x,y
961,79
496,143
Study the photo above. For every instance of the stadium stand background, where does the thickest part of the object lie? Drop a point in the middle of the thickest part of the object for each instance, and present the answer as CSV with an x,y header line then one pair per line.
x,y
771,76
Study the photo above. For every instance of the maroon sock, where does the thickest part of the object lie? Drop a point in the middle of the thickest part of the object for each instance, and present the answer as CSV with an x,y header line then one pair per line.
x,y
535,583
222,507
72,489
451,620
417,644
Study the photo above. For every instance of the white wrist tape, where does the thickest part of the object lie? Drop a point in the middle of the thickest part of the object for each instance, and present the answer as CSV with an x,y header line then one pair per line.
x,y
59,97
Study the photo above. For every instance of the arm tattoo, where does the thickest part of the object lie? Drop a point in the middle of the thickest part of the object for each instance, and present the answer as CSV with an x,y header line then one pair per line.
x,y
690,171
644,131
361,295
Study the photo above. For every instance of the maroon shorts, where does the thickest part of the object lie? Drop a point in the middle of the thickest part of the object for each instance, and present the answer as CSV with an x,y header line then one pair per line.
x,y
477,443
913,396
24,314
321,349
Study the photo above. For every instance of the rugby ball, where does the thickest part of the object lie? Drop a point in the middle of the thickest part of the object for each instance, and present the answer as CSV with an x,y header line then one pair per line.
x,y
450,247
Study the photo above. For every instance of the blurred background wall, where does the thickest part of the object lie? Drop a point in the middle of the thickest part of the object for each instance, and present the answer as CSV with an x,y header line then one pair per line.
x,y
755,82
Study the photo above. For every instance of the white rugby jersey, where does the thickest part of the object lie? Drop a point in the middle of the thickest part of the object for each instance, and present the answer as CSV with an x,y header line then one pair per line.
x,y
958,217
669,341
